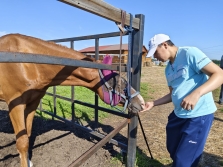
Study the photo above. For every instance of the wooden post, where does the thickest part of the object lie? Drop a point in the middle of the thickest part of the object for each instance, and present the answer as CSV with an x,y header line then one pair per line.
x,y
102,9
136,75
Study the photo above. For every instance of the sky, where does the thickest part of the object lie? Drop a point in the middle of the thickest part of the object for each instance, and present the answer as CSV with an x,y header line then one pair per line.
x,y
196,23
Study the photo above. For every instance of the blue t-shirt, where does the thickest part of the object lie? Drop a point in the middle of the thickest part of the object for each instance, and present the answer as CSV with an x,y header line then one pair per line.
x,y
184,76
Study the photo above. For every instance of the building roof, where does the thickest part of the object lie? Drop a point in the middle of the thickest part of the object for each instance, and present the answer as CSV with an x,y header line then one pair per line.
x,y
108,48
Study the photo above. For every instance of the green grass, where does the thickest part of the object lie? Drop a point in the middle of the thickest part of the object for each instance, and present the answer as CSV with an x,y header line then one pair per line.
x,y
64,107
142,160
145,90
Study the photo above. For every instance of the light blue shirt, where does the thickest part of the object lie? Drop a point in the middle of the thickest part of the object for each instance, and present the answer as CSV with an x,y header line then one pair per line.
x,y
184,76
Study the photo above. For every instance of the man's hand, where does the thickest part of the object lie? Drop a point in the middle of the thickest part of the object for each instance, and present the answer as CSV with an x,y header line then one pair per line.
x,y
148,106
189,102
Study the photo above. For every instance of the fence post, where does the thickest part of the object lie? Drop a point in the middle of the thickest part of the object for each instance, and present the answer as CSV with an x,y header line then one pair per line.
x,y
54,102
72,91
137,44
96,96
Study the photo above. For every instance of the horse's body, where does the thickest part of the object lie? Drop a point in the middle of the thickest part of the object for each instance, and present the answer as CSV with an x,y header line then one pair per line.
x,y
22,85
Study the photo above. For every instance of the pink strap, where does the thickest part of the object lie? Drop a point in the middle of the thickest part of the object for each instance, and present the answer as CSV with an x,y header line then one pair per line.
x,y
107,60
108,74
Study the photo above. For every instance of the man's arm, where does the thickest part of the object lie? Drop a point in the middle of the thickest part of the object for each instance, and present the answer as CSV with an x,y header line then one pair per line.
x,y
163,100
215,74
215,80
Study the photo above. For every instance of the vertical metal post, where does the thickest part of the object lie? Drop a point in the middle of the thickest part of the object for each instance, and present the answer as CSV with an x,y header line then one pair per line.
x,y
72,44
41,106
72,90
96,96
137,53
73,104
136,74
97,49
54,102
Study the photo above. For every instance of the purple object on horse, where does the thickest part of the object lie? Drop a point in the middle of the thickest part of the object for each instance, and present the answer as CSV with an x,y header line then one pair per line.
x,y
108,74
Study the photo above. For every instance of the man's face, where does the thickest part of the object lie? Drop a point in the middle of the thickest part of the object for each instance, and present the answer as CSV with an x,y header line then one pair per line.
x,y
162,53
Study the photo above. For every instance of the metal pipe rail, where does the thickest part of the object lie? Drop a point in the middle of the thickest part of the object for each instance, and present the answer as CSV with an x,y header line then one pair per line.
x,y
87,37
89,105
16,57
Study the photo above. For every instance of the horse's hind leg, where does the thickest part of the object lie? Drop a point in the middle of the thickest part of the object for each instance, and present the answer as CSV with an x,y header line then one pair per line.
x,y
29,115
16,113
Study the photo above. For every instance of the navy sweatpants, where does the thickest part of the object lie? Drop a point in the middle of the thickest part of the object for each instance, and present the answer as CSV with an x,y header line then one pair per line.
x,y
221,95
186,138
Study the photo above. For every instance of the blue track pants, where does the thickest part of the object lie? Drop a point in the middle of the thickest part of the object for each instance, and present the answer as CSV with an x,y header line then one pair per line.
x,y
221,95
186,138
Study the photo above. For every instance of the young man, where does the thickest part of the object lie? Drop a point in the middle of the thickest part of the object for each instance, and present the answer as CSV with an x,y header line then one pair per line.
x,y
191,76
221,91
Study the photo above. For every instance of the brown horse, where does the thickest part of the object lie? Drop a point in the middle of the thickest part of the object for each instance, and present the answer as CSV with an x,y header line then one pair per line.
x,y
22,85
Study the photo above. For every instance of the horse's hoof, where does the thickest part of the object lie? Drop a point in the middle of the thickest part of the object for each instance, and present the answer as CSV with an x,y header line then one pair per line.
x,y
30,164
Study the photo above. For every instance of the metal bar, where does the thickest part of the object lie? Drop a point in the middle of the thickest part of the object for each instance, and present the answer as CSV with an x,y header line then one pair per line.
x,y
91,105
54,102
129,64
136,66
132,136
40,104
102,9
96,96
72,91
97,49
145,138
72,45
15,57
97,146
96,36
103,109
73,104
137,54
59,96
93,133
96,112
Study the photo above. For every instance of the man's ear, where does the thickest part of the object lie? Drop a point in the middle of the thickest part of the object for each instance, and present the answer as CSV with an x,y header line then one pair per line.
x,y
165,45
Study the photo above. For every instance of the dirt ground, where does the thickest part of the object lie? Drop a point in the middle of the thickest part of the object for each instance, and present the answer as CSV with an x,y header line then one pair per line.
x,y
55,144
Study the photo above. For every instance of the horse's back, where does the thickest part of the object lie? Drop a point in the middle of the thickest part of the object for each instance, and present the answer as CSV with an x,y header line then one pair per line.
x,y
28,44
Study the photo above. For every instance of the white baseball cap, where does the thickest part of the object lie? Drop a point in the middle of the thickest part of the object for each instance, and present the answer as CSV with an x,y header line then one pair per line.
x,y
155,41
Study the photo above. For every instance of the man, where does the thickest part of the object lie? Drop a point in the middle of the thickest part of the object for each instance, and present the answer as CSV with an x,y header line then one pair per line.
x,y
221,91
191,76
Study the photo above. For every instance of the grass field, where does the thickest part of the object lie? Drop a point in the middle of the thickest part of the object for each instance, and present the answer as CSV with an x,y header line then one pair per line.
x,y
64,107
